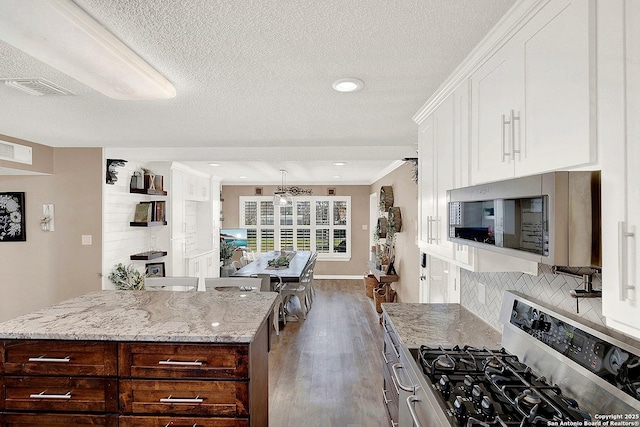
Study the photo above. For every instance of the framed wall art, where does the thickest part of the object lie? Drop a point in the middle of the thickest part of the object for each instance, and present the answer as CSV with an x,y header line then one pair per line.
x,y
12,217
155,269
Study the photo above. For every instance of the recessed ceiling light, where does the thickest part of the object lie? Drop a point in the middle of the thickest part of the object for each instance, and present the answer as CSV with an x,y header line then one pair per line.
x,y
339,164
348,85
336,176
214,164
242,177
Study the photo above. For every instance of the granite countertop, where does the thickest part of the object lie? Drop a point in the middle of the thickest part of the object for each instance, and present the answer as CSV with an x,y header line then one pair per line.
x,y
225,317
440,324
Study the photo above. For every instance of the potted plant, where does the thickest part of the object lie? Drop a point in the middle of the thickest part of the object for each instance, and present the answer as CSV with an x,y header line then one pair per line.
x,y
126,277
226,252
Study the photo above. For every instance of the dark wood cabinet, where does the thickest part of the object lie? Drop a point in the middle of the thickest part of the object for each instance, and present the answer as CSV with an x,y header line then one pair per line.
x,y
85,383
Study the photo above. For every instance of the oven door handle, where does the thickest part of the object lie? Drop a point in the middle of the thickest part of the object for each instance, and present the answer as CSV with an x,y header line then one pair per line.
x,y
412,411
395,368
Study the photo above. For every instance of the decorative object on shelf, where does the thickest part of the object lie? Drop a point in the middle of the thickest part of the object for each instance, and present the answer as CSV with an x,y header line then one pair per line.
x,y
112,174
414,167
149,179
12,217
395,218
47,218
126,277
283,194
143,212
155,269
386,197
137,181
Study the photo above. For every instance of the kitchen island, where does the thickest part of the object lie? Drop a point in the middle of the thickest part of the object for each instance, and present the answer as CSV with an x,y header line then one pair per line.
x,y
139,358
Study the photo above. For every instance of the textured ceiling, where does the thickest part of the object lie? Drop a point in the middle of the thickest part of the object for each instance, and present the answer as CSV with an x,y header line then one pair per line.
x,y
257,75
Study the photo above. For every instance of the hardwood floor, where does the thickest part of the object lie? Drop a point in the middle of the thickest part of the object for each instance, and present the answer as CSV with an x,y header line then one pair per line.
x,y
326,370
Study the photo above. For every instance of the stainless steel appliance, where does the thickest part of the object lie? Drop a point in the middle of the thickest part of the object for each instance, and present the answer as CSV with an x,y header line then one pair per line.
x,y
552,218
553,369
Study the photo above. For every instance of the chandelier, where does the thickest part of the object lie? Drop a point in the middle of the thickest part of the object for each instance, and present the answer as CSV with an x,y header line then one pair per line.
x,y
284,195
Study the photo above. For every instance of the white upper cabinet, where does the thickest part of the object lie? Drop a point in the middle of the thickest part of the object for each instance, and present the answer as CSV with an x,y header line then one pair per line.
x,y
435,154
533,100
619,126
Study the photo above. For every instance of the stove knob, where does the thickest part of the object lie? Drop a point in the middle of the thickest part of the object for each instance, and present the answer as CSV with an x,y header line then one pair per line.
x,y
458,407
476,394
445,384
468,384
488,410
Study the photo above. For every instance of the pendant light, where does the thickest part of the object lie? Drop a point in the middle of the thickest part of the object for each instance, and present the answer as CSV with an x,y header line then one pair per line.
x,y
281,197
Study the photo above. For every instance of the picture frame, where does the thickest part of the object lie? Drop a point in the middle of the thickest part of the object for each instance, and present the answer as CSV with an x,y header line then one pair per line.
x,y
155,269
12,217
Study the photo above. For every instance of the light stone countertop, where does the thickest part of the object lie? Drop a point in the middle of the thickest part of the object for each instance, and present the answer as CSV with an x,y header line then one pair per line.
x,y
440,324
157,316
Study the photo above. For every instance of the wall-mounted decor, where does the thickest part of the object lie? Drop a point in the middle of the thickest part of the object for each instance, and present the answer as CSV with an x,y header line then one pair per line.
x,y
155,269
12,217
395,219
386,197
112,174
258,191
331,191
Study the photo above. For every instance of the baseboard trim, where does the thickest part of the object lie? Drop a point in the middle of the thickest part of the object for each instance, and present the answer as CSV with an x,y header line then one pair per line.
x,y
336,277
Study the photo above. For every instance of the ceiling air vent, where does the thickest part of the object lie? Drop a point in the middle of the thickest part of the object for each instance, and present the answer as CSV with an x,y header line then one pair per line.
x,y
38,87
15,152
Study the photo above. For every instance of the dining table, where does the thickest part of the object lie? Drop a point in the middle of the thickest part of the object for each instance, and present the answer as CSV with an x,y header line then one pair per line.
x,y
291,273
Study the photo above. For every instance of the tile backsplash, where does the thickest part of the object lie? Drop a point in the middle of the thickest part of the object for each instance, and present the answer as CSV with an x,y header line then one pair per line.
x,y
546,286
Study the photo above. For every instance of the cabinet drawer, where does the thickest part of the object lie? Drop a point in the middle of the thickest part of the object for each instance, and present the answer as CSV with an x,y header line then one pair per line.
x,y
52,394
211,398
35,357
147,360
57,420
132,421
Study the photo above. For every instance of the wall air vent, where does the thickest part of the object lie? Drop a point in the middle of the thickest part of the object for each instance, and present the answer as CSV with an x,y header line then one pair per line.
x,y
15,152
38,87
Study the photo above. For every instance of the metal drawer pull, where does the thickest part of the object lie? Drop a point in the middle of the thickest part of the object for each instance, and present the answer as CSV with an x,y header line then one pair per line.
x,y
412,411
170,399
42,395
623,279
384,396
170,423
395,368
179,363
384,357
50,359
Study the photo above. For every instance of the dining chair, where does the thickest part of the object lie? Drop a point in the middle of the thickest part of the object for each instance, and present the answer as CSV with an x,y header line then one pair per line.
x,y
273,283
232,283
298,290
171,283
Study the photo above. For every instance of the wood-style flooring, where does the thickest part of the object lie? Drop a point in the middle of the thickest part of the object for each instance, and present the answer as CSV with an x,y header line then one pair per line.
x,y
326,371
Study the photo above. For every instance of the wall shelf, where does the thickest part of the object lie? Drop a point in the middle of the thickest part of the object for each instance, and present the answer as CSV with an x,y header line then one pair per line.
x,y
148,224
148,255
381,276
147,191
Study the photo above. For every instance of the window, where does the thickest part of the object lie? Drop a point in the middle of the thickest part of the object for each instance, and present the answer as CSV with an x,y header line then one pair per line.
x,y
321,224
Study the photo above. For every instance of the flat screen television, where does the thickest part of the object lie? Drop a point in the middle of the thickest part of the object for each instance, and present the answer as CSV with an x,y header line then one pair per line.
x,y
237,236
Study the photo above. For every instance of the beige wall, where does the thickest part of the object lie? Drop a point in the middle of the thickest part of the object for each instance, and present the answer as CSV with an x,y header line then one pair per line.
x,y
53,266
359,217
407,264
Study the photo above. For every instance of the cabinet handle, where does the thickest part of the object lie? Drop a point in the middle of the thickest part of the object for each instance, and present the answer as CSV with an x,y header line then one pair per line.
x,y
179,363
66,359
395,368
505,122
384,357
171,424
513,135
42,395
170,399
384,396
410,401
623,234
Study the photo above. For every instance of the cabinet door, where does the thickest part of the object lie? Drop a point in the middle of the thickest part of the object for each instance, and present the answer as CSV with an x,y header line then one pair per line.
x,y
426,204
557,68
497,91
444,168
176,221
178,255
621,170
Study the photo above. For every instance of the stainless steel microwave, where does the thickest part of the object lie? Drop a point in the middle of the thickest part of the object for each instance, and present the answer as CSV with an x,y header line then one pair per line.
x,y
553,218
